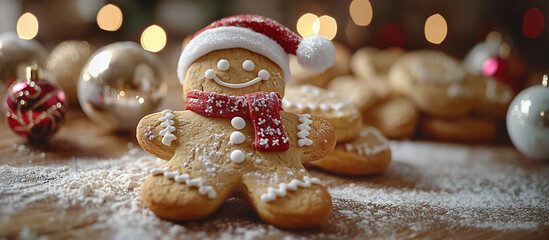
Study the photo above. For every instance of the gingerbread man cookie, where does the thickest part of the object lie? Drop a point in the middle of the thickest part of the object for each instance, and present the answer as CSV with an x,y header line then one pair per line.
x,y
234,139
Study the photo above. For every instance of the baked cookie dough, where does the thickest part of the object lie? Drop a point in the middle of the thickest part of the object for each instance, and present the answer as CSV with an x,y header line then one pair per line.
x,y
492,98
370,62
435,82
369,153
467,129
340,112
396,117
362,93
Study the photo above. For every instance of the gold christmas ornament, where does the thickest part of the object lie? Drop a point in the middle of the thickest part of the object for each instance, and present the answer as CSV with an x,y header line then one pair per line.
x,y
16,55
119,85
64,64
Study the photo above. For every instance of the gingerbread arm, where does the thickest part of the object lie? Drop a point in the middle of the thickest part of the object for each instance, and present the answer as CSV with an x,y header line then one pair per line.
x,y
310,135
157,133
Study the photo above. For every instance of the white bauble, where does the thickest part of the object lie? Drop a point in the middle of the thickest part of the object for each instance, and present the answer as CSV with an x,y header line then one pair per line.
x,y
120,84
528,121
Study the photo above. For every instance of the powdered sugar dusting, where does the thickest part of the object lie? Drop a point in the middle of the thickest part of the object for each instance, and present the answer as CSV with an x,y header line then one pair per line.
x,y
429,187
449,186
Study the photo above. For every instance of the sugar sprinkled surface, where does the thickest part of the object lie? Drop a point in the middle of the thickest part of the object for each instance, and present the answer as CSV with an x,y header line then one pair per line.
x,y
428,186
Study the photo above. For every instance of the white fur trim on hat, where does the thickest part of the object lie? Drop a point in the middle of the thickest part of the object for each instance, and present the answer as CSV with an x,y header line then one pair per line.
x,y
315,53
232,37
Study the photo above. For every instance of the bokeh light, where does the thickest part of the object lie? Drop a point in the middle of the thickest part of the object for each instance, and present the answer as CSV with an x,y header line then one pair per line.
x,y
109,18
390,35
305,24
153,38
27,26
361,12
436,29
533,23
325,26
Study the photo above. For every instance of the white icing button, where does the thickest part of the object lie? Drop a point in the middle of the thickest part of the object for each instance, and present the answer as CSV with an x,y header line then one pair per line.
x,y
238,122
237,137
237,156
248,65
263,74
223,65
210,74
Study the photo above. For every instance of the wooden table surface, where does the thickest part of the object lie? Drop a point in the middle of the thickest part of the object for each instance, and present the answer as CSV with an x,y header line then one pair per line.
x,y
432,190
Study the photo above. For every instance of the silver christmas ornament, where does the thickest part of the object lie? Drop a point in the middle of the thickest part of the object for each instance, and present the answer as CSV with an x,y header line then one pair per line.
x,y
528,121
16,55
119,85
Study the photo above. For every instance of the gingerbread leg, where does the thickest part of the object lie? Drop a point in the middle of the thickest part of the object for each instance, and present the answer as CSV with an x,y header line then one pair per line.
x,y
297,203
175,196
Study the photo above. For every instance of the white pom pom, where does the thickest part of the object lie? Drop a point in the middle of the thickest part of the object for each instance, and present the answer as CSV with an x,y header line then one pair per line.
x,y
316,53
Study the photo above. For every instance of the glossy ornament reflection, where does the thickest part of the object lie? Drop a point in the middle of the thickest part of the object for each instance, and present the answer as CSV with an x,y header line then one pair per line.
x,y
119,85
15,55
528,121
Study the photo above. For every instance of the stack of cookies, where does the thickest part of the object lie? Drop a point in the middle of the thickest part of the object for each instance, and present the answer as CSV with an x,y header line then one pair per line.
x,y
456,105
403,93
360,149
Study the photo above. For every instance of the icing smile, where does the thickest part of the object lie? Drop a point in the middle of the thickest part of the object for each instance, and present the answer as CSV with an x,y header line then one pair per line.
x,y
247,65
261,75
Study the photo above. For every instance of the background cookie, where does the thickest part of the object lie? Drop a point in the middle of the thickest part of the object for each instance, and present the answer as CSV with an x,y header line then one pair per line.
x,y
463,129
362,93
340,112
492,98
369,62
369,153
302,76
373,65
435,82
396,117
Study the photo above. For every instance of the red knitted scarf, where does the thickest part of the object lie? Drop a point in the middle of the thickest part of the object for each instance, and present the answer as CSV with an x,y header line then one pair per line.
x,y
261,107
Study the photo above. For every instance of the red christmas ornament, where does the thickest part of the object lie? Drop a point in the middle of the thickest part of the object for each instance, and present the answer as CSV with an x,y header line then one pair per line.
x,y
495,67
34,107
510,71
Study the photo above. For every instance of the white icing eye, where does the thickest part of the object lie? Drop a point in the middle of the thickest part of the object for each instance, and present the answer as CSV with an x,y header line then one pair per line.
x,y
263,74
223,65
248,65
210,74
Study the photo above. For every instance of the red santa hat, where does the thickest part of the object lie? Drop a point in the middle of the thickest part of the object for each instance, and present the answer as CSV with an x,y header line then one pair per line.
x,y
260,35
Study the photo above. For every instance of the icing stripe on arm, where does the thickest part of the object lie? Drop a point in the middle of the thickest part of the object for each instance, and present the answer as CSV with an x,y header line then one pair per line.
x,y
304,128
167,123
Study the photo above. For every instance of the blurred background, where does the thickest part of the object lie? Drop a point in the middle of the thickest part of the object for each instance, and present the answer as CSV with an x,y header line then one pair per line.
x,y
503,43
454,26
